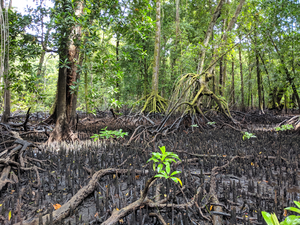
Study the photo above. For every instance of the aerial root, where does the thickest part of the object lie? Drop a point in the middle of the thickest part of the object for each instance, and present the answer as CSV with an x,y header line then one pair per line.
x,y
154,103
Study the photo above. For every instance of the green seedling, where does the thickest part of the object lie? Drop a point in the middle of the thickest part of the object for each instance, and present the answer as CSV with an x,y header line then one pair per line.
x,y
248,135
211,123
163,161
271,219
284,127
107,134
194,125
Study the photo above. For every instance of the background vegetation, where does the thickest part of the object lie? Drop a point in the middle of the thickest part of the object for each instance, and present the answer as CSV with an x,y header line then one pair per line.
x,y
117,48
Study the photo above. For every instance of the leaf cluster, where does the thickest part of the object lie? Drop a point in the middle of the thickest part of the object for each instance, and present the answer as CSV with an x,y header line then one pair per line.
x,y
107,134
164,161
284,127
248,135
271,219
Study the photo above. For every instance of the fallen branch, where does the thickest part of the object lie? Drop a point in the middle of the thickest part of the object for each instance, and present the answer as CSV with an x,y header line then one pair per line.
x,y
76,200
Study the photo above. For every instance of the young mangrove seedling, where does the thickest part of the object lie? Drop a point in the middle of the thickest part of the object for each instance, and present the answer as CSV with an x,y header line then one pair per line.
x,y
248,135
284,127
164,161
106,134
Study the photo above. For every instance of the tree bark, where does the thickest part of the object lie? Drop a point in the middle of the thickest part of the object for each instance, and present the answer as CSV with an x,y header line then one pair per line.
x,y
66,97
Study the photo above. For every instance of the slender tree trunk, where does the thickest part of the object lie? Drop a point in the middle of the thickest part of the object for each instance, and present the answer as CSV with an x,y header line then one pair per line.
x,y
208,34
288,76
86,92
242,78
259,84
156,49
145,71
221,77
232,81
117,59
5,60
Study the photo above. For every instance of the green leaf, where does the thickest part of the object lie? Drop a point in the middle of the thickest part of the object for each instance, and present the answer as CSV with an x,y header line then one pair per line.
x,y
149,160
274,219
170,160
267,217
153,166
156,155
167,167
293,209
175,172
297,204
174,179
159,175
159,168
291,220
163,149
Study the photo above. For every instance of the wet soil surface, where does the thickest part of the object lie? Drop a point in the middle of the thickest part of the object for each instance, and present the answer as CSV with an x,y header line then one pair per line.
x,y
265,177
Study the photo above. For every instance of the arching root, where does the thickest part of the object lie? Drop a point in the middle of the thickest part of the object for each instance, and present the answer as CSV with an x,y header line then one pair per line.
x,y
154,103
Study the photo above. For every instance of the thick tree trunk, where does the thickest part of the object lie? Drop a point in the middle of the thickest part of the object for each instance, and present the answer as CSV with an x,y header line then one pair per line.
x,y
65,110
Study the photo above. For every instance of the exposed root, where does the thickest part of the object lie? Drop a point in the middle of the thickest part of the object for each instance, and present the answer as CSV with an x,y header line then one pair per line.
x,y
154,103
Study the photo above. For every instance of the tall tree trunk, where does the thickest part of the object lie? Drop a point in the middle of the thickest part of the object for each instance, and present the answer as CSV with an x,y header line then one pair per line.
x,y
156,49
250,96
68,75
221,77
4,64
242,78
117,59
208,34
259,79
288,76
232,81
87,109
145,71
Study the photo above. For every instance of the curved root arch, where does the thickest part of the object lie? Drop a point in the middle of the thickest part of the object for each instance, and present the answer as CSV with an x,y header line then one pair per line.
x,y
154,103
189,89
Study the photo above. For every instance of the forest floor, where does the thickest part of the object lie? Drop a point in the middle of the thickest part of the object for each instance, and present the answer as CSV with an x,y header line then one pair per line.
x,y
226,180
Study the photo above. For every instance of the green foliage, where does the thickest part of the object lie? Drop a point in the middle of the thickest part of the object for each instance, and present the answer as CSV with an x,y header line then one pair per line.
x,y
107,134
164,161
194,125
284,127
211,123
271,219
248,135
116,103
